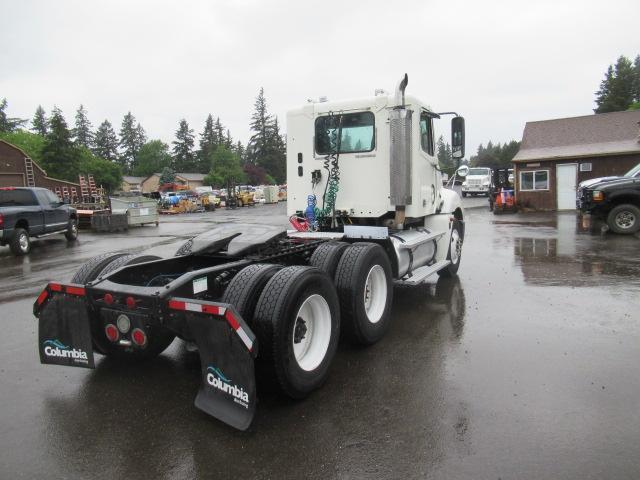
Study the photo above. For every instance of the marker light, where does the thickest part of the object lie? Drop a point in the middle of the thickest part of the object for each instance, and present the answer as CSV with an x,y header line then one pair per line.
x,y
131,303
108,299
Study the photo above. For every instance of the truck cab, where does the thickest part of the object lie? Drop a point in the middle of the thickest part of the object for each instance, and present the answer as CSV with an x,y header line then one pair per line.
x,y
385,153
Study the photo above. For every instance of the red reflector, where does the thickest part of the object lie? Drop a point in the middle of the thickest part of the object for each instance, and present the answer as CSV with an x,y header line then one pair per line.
x,y
108,298
176,305
212,309
42,297
131,303
111,332
232,320
75,291
138,337
55,287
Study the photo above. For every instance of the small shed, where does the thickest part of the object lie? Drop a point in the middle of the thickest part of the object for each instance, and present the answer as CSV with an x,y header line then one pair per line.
x,y
556,155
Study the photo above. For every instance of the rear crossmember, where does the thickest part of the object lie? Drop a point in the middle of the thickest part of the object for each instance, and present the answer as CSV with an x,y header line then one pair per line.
x,y
226,345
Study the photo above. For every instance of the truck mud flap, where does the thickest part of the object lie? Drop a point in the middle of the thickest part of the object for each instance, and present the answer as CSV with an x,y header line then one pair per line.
x,y
64,335
227,350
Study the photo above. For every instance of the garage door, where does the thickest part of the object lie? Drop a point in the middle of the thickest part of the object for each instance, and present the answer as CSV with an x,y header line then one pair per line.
x,y
566,186
11,180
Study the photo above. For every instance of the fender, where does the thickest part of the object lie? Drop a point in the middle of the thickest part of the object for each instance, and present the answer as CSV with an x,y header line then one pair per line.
x,y
450,201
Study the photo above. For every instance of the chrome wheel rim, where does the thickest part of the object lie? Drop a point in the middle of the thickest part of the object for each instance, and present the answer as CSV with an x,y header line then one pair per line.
x,y
312,332
24,242
455,246
625,220
375,293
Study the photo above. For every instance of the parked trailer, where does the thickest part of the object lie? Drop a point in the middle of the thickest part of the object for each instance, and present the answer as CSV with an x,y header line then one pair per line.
x,y
256,295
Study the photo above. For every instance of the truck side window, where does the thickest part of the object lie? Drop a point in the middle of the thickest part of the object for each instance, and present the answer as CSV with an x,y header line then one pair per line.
x,y
357,133
426,133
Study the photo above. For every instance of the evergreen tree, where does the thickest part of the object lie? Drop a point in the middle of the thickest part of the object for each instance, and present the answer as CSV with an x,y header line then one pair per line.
x,y
8,124
262,126
82,133
208,144
167,176
219,132
239,150
59,157
105,143
39,122
617,90
228,141
183,156
132,137
636,79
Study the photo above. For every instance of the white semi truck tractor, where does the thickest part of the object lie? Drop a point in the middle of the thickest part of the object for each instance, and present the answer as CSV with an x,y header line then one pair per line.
x,y
366,202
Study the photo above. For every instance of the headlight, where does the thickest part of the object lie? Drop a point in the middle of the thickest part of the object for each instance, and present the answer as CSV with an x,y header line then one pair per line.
x,y
486,183
597,196
464,184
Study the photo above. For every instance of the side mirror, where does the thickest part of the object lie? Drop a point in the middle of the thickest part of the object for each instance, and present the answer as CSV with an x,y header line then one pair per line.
x,y
457,137
463,171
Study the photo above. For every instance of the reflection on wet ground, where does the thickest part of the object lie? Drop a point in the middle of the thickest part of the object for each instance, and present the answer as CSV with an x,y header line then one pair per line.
x,y
523,367
560,252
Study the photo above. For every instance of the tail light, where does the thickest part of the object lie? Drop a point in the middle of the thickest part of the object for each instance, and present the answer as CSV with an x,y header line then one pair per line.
x,y
1,220
111,331
108,299
138,337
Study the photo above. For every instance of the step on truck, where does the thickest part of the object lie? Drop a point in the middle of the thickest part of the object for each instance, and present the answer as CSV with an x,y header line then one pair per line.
x,y
367,207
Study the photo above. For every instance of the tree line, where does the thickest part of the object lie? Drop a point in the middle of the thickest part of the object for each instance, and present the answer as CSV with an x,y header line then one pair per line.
x,y
620,88
65,152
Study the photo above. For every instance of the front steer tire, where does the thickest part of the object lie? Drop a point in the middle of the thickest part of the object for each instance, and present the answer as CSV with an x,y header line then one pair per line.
x,y
365,287
20,242
454,253
624,219
297,322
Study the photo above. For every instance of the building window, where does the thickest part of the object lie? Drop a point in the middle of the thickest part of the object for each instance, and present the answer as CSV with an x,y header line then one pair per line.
x,y
357,133
534,180
585,167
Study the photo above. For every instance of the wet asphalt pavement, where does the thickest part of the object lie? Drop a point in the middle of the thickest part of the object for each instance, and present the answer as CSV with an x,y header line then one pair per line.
x,y
526,367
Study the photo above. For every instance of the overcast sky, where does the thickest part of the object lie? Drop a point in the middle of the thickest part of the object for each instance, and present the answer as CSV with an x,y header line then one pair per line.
x,y
499,63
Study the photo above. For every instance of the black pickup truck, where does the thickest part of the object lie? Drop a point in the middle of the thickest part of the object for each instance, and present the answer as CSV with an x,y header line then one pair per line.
x,y
614,199
33,212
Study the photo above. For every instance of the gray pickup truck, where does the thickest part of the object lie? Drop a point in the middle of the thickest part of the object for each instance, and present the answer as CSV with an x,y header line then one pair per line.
x,y
33,212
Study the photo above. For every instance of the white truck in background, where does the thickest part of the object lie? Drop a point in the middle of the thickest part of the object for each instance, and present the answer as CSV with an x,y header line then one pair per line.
x,y
478,182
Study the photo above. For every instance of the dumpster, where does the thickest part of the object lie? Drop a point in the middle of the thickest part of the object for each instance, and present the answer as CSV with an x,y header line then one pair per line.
x,y
139,210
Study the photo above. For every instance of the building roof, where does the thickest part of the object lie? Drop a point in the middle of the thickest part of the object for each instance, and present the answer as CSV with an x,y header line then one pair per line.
x,y
588,136
133,180
192,176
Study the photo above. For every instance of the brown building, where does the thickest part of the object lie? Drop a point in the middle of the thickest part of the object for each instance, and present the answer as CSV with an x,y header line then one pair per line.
x,y
556,155
152,182
18,170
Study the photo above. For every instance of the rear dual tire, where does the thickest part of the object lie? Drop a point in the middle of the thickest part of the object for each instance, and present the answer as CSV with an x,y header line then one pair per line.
x,y
295,314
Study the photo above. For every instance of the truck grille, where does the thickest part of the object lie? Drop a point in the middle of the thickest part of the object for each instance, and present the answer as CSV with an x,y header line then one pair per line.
x,y
474,182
